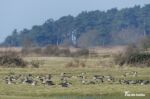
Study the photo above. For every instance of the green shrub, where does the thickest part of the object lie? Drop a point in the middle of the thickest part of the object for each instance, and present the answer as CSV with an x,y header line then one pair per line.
x,y
133,56
12,61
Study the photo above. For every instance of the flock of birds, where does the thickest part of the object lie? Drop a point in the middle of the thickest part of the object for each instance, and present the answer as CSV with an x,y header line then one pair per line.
x,y
64,79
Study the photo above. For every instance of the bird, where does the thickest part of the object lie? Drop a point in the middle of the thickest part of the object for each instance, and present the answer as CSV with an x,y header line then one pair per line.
x,y
109,78
49,76
98,78
27,80
145,82
49,83
34,83
8,80
132,73
65,84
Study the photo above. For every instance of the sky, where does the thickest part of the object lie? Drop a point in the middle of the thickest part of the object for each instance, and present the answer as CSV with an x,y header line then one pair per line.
x,y
20,14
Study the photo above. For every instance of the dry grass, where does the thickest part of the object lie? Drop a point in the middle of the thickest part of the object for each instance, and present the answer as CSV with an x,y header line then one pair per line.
x,y
56,65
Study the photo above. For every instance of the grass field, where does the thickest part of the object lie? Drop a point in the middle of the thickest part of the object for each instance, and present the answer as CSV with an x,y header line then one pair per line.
x,y
56,65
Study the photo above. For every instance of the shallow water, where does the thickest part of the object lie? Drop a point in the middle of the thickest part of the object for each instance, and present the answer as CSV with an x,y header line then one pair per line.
x,y
74,97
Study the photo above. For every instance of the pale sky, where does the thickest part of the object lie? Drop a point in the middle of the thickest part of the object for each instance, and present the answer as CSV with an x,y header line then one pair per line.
x,y
21,14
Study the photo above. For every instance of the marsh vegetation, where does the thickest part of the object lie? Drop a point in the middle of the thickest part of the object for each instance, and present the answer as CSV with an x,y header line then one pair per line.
x,y
101,64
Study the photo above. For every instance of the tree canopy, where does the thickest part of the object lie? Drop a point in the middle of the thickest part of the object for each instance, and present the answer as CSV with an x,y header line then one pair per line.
x,y
94,28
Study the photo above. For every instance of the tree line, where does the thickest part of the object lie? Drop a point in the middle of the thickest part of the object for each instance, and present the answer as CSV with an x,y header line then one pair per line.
x,y
87,29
